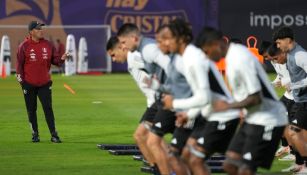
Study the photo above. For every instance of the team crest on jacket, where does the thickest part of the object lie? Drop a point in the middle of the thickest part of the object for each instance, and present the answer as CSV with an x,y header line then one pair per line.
x,y
32,57
45,53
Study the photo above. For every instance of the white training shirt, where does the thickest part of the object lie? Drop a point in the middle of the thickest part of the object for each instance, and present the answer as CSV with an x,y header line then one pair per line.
x,y
219,91
195,68
152,54
198,71
282,76
136,68
246,77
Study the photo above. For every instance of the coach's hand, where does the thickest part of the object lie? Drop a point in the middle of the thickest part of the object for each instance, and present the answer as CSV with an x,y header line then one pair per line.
x,y
66,56
167,101
220,105
181,119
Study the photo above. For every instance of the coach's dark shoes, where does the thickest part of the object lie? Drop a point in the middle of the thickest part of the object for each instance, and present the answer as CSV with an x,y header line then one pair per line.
x,y
35,137
55,138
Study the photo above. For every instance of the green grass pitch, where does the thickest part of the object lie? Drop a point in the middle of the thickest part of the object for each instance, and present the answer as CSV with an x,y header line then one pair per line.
x,y
81,124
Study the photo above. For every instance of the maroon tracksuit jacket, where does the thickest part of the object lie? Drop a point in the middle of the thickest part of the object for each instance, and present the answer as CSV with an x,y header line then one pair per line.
x,y
34,60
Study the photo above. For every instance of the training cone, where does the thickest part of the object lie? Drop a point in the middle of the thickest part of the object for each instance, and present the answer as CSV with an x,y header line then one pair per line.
x,y
69,89
3,72
253,48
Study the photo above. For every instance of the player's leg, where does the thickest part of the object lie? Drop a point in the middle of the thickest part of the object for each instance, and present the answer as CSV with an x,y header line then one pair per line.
x,y
30,96
45,97
140,136
233,159
215,137
259,148
141,133
180,137
285,148
164,123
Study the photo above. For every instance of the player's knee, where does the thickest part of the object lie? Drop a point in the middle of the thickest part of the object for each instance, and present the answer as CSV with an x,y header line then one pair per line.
x,y
153,141
138,135
195,161
185,155
246,170
228,167
232,163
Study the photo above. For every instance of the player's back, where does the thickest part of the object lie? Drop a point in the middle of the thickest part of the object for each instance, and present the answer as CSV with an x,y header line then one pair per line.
x,y
246,77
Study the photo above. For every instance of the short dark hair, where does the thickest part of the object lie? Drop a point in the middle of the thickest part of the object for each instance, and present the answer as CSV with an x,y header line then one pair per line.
x,y
112,42
127,28
273,50
208,35
283,32
181,29
264,46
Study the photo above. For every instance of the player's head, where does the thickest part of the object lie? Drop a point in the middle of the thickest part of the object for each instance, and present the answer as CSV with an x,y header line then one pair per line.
x,y
277,55
129,36
116,52
163,36
284,38
180,35
263,50
36,30
211,41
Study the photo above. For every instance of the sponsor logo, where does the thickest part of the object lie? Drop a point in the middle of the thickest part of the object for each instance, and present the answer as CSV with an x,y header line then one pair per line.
x,y
247,156
275,20
201,140
33,57
148,22
132,4
158,125
174,141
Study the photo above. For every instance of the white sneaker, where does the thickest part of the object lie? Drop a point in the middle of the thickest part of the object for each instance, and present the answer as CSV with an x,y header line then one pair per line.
x,y
289,157
303,171
282,151
293,168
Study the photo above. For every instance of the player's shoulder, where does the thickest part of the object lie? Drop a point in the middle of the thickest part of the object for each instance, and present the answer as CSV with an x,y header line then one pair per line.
x,y
135,61
194,53
238,53
300,53
147,44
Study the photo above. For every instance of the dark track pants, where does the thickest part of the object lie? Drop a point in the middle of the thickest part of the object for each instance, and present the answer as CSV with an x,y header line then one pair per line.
x,y
44,94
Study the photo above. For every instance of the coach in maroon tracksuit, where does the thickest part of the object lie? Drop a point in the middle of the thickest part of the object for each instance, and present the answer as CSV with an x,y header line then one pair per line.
x,y
34,58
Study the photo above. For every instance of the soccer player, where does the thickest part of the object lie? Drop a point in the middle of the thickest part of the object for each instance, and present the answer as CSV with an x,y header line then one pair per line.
x,y
257,139
278,56
156,63
136,68
178,87
282,80
215,135
296,64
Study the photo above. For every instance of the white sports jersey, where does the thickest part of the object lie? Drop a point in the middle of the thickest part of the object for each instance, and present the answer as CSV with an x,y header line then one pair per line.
x,y
195,69
206,83
136,68
219,91
152,54
282,76
246,77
